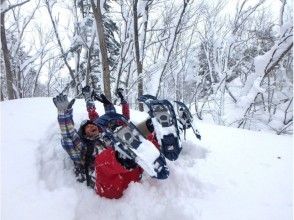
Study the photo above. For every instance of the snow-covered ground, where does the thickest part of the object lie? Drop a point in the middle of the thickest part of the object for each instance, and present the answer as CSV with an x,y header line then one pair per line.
x,y
231,174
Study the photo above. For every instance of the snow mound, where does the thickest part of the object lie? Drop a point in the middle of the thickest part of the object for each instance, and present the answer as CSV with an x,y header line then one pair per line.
x,y
230,174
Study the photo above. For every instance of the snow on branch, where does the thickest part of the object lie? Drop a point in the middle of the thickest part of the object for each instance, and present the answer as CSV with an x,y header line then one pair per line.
x,y
175,35
279,50
3,10
264,64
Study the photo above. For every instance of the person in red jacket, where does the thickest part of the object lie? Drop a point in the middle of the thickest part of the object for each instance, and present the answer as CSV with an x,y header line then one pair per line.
x,y
95,160
111,177
113,171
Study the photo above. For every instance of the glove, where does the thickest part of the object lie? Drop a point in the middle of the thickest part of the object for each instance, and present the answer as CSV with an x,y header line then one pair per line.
x,y
101,98
86,91
61,102
119,92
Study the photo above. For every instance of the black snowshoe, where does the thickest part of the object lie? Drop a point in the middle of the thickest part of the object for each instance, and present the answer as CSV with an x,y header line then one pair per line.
x,y
185,118
130,143
165,125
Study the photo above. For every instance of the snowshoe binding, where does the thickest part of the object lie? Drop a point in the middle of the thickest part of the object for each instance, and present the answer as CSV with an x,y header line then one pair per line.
x,y
165,125
185,119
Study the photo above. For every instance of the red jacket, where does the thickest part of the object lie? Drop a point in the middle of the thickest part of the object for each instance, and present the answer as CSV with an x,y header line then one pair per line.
x,y
111,177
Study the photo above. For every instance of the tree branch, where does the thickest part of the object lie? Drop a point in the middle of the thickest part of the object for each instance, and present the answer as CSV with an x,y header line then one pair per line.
x,y
14,6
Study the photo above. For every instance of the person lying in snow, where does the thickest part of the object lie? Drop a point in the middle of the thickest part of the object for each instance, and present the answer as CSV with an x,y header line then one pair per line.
x,y
95,162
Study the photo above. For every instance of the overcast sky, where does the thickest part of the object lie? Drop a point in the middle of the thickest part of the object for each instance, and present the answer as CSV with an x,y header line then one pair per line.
x,y
66,24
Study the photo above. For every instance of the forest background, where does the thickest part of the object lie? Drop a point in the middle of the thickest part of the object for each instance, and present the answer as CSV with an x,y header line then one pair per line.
x,y
230,61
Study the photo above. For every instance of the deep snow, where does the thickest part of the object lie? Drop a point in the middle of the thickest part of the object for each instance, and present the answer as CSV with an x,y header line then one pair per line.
x,y
231,174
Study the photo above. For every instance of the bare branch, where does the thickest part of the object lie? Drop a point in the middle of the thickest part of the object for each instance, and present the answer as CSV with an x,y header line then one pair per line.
x,y
172,46
59,42
13,6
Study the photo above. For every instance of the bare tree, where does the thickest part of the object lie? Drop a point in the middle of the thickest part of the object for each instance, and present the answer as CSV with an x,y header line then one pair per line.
x,y
63,54
175,35
6,56
103,49
137,52
126,58
6,52
266,65
43,58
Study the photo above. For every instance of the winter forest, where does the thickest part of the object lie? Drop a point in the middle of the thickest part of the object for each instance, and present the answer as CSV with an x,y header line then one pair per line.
x,y
230,61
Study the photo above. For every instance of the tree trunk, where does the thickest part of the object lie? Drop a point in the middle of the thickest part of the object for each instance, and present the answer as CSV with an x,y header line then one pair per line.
x,y
89,53
2,96
137,52
103,49
7,64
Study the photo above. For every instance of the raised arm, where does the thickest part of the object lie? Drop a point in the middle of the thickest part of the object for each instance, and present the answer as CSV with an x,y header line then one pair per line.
x,y
124,103
108,106
91,109
70,139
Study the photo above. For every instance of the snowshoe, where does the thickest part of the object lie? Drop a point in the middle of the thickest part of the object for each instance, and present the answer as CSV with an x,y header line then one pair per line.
x,y
129,142
165,125
146,97
185,118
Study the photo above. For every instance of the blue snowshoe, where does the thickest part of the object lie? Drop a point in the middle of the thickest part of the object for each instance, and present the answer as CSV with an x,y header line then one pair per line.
x,y
130,143
165,125
185,119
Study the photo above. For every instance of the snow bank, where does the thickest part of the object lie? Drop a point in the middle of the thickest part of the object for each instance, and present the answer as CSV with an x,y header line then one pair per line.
x,y
231,174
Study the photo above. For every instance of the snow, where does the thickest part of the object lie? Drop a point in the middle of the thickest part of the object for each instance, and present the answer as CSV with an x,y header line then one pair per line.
x,y
3,6
77,40
147,153
160,132
141,9
247,99
102,2
262,64
264,61
230,174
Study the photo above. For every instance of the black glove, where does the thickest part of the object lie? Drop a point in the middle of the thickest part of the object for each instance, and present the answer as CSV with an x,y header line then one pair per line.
x,y
61,102
86,91
102,98
119,92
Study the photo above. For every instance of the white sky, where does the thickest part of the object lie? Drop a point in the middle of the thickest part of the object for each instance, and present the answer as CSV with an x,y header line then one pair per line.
x,y
272,5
